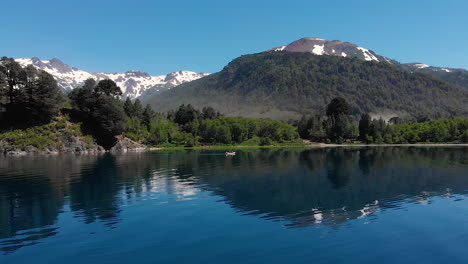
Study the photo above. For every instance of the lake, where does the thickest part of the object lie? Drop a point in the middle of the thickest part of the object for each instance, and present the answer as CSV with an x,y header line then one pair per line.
x,y
330,205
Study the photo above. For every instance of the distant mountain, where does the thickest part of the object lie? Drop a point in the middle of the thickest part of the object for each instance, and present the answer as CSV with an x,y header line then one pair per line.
x,y
458,77
319,46
133,83
282,85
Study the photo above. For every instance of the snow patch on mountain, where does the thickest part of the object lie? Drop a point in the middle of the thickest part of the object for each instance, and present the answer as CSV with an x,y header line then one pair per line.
x,y
320,46
368,56
318,50
279,48
421,65
133,83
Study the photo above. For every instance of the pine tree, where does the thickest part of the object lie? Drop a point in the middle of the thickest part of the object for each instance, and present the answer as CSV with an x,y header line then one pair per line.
x,y
148,114
137,109
365,124
337,111
128,107
14,75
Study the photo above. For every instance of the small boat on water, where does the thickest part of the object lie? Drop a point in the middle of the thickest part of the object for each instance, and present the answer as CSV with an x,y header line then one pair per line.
x,y
230,153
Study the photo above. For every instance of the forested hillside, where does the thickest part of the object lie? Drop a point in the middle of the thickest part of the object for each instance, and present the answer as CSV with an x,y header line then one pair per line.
x,y
458,77
283,85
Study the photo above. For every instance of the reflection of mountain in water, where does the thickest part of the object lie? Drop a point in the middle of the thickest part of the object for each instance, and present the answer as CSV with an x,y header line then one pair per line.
x,y
332,186
302,187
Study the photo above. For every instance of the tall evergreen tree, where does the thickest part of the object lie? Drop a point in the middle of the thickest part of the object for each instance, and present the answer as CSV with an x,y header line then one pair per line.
x,y
15,76
45,99
138,109
337,125
128,107
365,124
185,114
148,114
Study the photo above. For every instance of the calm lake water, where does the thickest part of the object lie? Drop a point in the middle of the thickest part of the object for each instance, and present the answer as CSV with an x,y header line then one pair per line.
x,y
335,205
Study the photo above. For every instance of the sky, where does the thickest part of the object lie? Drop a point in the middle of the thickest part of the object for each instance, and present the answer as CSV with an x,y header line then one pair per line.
x,y
159,37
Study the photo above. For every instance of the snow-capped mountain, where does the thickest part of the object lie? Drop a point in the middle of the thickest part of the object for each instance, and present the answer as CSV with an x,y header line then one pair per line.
x,y
133,83
424,68
320,46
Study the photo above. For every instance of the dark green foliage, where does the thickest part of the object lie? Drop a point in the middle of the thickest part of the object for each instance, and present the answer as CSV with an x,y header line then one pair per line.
x,y
27,96
128,107
227,130
186,114
147,115
286,85
43,98
133,110
452,130
312,128
14,76
337,124
84,99
190,127
337,107
464,137
108,115
210,113
97,107
108,87
378,131
137,109
365,127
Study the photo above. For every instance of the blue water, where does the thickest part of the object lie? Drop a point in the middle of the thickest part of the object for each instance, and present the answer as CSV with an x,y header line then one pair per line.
x,y
336,205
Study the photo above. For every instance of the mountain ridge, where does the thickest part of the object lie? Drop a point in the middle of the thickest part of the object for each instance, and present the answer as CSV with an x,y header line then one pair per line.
x,y
133,83
283,85
318,46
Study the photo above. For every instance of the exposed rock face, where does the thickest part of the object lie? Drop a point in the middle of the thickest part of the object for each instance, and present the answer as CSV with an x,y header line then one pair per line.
x,y
319,46
72,144
75,144
126,145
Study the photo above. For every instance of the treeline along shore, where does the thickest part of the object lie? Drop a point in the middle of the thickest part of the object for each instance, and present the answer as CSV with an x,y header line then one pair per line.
x,y
37,117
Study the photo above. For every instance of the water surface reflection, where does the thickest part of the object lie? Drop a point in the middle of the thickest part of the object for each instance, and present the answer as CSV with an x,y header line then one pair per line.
x,y
298,188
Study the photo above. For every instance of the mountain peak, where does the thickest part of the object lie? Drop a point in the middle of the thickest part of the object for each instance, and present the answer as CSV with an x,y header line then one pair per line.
x,y
319,46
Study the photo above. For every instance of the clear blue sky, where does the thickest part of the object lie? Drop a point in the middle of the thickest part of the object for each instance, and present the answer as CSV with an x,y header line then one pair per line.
x,y
165,36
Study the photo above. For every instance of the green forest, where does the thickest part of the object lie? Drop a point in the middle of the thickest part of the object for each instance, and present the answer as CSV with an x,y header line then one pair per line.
x,y
283,85
35,112
338,127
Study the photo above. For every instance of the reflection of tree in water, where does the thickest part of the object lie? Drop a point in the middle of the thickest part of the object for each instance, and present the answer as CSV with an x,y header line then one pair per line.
x,y
25,206
32,191
304,187
336,184
340,163
95,195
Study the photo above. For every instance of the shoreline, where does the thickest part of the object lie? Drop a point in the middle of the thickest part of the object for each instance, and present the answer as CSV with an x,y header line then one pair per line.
x,y
221,147
312,145
324,145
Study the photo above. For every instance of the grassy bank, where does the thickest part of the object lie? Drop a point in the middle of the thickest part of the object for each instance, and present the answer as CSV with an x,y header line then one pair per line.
x,y
52,135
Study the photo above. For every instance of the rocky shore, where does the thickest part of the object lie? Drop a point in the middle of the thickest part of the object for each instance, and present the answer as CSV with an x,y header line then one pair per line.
x,y
73,144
